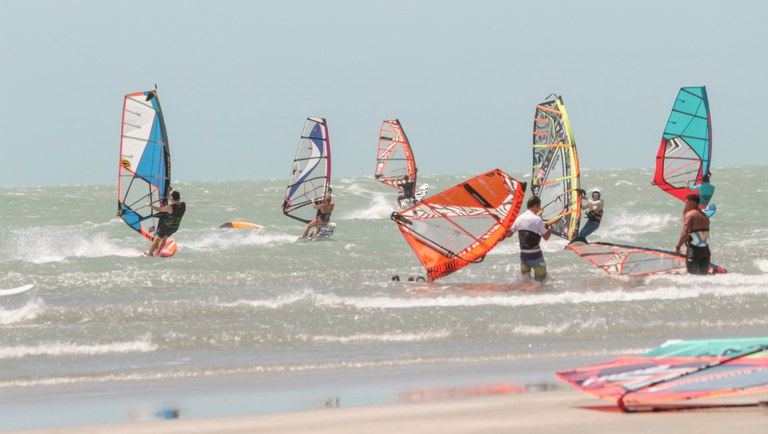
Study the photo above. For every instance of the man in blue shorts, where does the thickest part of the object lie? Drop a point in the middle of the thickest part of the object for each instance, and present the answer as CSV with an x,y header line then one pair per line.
x,y
530,230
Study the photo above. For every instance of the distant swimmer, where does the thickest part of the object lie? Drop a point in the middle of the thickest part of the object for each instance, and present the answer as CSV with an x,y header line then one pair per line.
x,y
324,209
531,229
594,212
695,236
169,222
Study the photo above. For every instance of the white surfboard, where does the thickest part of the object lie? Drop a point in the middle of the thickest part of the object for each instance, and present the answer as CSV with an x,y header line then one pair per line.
x,y
15,291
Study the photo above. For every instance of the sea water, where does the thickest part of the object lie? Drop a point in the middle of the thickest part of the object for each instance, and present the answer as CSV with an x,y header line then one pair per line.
x,y
257,308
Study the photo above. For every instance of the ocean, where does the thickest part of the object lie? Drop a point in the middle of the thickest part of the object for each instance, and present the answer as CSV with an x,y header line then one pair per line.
x,y
243,321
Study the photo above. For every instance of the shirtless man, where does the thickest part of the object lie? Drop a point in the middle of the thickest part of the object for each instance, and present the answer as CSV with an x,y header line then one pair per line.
x,y
324,210
695,236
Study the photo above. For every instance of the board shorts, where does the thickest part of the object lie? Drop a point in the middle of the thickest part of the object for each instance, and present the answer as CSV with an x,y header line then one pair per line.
x,y
324,218
697,259
535,262
165,231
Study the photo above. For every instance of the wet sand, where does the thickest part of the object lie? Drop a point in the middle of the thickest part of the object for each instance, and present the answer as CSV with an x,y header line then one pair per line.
x,y
538,412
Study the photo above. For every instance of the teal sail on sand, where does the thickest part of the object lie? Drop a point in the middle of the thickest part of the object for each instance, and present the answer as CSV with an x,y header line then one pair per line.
x,y
685,152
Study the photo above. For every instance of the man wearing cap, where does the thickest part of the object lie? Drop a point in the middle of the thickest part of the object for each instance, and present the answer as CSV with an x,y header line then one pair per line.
x,y
695,236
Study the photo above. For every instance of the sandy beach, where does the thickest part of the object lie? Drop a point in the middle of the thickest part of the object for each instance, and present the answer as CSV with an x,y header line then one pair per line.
x,y
539,412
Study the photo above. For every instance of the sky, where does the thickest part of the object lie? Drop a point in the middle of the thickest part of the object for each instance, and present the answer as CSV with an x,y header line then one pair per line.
x,y
237,80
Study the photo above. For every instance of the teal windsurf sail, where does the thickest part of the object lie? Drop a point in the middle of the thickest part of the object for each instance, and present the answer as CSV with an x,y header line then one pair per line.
x,y
685,152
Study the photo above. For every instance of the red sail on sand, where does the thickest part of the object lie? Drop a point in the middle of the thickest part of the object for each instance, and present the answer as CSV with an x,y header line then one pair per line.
x,y
459,226
677,371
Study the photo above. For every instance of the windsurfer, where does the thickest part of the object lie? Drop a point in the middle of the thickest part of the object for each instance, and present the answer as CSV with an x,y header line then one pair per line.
x,y
531,229
594,212
408,192
324,209
169,222
695,236
706,190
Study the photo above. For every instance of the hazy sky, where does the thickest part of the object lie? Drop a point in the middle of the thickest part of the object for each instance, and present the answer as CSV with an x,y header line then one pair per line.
x,y
237,79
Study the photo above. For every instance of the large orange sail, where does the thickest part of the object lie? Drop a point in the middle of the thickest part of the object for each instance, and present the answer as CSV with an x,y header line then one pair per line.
x,y
459,226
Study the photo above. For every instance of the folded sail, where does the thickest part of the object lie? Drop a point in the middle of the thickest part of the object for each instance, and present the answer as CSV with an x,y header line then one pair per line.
x,y
686,145
394,160
310,177
556,169
144,172
677,371
459,226
621,260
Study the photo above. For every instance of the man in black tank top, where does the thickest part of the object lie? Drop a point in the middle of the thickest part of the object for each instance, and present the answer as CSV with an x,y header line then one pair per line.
x,y
169,222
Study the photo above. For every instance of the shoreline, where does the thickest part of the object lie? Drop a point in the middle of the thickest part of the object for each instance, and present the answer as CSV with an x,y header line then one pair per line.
x,y
537,412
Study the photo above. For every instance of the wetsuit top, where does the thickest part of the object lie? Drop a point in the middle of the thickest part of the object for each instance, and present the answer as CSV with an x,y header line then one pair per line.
x,y
530,228
706,191
172,221
595,213
407,189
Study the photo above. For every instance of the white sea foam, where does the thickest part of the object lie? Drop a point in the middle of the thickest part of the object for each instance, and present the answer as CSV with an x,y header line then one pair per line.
x,y
570,297
143,345
762,264
379,207
58,244
554,329
275,368
29,311
275,303
384,337
624,225
224,239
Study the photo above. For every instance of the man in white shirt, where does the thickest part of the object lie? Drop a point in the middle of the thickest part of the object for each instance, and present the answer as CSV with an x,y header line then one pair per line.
x,y
531,229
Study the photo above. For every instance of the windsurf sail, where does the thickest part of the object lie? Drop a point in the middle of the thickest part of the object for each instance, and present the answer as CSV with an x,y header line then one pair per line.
x,y
622,260
686,145
144,172
677,371
555,177
310,177
459,226
394,160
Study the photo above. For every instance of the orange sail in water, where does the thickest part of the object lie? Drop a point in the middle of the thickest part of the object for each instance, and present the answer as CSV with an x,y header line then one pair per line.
x,y
459,226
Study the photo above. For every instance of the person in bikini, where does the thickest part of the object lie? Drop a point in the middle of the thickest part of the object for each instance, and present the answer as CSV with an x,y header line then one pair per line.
x,y
324,209
695,236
